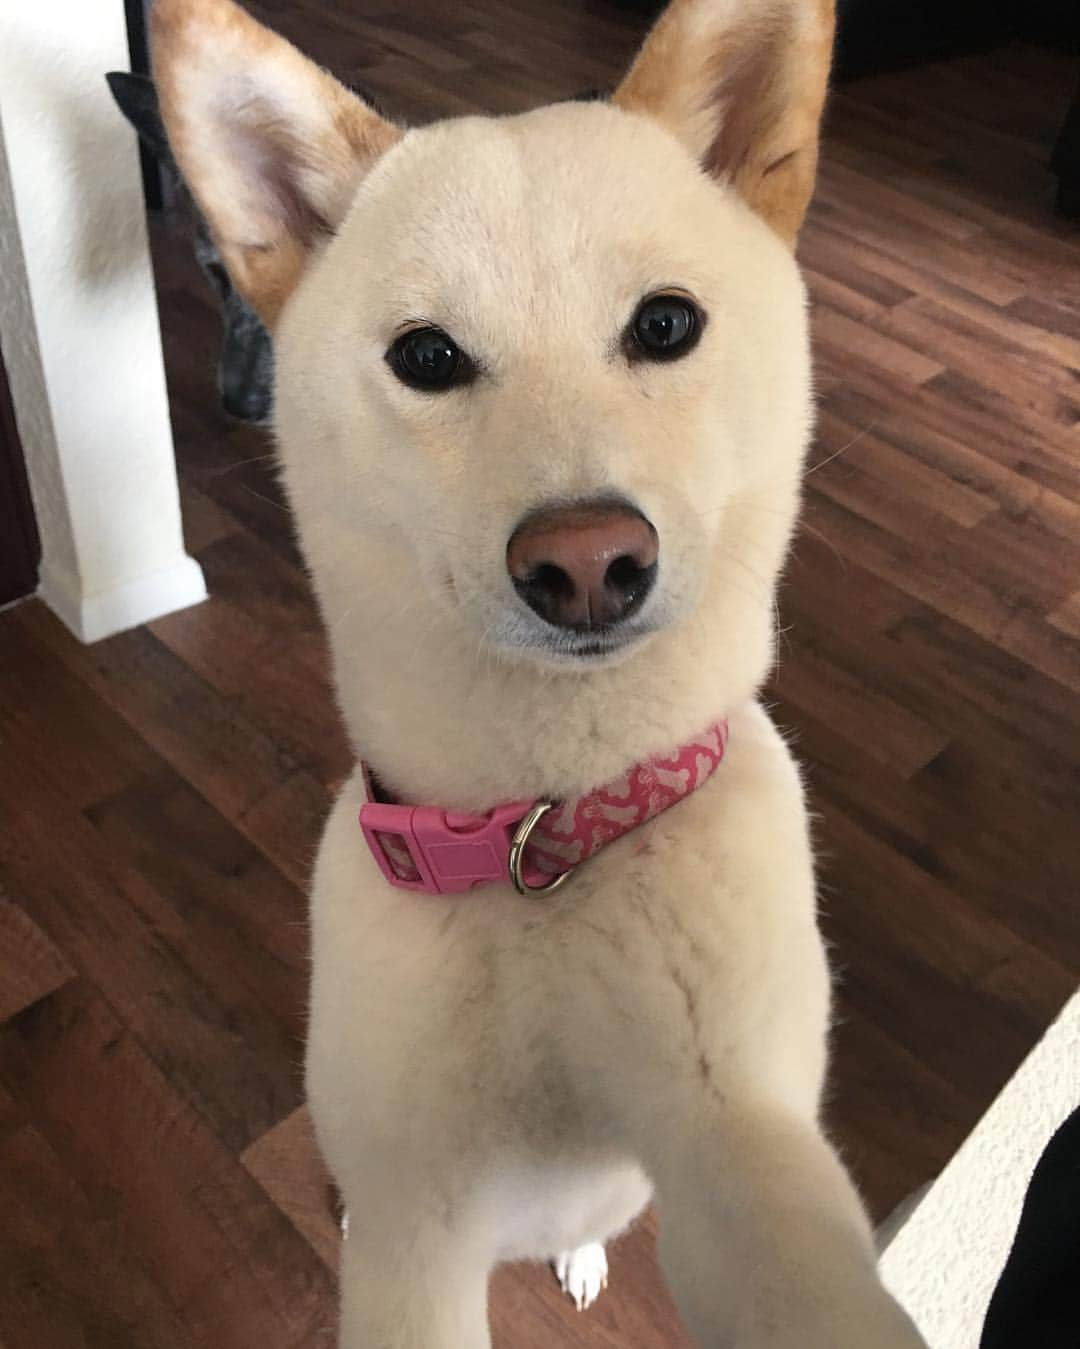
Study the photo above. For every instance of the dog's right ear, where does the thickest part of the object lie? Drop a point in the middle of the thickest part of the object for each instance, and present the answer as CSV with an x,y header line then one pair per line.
x,y
272,147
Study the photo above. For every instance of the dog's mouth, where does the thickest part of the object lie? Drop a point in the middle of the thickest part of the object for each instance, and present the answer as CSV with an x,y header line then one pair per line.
x,y
587,648
598,644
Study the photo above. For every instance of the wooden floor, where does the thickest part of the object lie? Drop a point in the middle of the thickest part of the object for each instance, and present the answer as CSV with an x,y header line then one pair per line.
x,y
161,793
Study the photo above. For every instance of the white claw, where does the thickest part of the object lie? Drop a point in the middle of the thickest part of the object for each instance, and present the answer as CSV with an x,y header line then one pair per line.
x,y
345,1225
583,1273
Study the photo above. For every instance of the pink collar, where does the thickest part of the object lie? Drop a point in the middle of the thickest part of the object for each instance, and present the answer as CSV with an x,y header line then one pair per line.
x,y
534,844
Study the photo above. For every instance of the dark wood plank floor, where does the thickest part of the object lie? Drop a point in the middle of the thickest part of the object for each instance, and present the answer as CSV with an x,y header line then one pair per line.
x,y
161,793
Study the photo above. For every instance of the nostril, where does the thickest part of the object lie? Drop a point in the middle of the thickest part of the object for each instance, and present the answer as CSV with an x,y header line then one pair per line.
x,y
552,580
547,588
624,573
627,583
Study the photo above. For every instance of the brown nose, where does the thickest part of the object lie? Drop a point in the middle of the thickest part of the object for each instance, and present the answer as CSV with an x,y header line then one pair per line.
x,y
584,567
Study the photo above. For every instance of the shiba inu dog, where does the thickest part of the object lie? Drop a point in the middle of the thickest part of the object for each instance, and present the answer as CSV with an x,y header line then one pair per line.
x,y
542,399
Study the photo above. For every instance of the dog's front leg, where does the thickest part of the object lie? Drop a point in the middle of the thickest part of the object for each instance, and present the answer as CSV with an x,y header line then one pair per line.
x,y
411,1290
764,1241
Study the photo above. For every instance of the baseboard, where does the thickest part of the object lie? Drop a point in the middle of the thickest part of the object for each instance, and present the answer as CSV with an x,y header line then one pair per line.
x,y
92,617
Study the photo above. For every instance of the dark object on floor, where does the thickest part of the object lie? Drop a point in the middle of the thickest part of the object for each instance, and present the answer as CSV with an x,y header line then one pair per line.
x,y
20,547
1037,1299
877,35
1066,161
246,365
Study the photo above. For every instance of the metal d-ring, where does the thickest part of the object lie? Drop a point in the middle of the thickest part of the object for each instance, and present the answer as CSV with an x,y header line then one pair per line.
x,y
517,854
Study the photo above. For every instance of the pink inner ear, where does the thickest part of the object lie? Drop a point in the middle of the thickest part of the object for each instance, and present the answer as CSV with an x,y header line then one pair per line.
x,y
779,163
748,96
269,158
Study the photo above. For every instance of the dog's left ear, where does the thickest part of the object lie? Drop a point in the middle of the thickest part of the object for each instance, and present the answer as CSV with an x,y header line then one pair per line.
x,y
272,148
742,84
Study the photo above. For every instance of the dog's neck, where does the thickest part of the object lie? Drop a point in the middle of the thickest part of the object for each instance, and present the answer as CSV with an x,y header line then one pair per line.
x,y
446,722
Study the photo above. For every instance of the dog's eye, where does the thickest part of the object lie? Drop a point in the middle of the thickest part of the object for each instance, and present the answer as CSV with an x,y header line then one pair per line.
x,y
665,326
427,358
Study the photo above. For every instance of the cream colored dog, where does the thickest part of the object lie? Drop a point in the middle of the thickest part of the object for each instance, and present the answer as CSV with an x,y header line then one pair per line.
x,y
590,311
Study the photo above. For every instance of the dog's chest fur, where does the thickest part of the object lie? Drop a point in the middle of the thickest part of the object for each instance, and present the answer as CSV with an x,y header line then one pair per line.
x,y
495,1025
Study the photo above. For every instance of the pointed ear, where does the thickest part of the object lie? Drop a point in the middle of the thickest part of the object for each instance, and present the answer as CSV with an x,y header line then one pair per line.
x,y
272,147
137,99
742,84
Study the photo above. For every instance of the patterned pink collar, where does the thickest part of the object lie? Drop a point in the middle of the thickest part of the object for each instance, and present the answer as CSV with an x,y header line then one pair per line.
x,y
534,844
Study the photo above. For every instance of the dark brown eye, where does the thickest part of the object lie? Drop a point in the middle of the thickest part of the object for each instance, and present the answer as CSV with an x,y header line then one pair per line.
x,y
664,327
429,359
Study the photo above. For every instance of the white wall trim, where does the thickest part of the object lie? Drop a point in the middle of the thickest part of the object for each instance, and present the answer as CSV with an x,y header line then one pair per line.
x,y
79,325
92,617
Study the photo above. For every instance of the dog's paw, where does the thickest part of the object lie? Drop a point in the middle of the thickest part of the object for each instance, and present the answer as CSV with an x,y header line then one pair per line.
x,y
583,1273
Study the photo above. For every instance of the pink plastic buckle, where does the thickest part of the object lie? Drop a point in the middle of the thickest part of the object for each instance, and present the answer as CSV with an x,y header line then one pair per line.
x,y
423,848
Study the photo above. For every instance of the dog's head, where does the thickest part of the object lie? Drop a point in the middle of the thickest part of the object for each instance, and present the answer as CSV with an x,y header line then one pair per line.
x,y
549,372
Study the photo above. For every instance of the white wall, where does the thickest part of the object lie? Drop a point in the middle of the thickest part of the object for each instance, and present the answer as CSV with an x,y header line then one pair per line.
x,y
79,326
